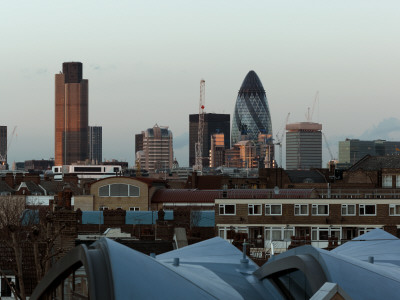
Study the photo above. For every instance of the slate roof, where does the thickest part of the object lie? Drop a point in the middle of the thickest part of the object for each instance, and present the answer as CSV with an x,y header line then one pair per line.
x,y
53,187
209,196
306,176
4,187
374,163
32,187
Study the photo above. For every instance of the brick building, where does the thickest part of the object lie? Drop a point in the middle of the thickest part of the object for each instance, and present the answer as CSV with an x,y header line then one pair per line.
x,y
290,215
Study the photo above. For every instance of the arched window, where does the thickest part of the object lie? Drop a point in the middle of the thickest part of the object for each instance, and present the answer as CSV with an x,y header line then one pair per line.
x,y
119,190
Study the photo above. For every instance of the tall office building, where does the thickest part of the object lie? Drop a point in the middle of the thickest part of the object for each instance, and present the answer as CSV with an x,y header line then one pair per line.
x,y
95,144
157,153
352,150
217,150
71,115
213,123
303,146
3,146
251,115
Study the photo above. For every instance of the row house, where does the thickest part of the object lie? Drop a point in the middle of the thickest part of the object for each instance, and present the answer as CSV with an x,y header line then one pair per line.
x,y
275,224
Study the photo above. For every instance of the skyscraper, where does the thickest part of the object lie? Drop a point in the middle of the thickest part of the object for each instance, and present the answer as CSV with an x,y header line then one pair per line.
x,y
71,115
95,144
213,123
303,146
157,153
251,115
3,146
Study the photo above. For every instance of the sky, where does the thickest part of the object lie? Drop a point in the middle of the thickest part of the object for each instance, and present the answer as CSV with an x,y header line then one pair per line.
x,y
144,61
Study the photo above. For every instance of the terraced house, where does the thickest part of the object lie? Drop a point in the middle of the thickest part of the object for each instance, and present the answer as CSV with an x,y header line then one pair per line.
x,y
287,217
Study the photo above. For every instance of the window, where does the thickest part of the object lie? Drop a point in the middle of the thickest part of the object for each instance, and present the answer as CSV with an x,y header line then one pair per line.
x,y
367,209
301,209
387,181
119,190
134,208
363,230
348,209
224,231
103,208
255,209
5,290
227,209
273,209
319,233
273,233
278,233
394,210
320,210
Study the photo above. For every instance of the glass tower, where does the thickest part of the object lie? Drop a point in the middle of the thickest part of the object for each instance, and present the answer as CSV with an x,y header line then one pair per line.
x,y
251,115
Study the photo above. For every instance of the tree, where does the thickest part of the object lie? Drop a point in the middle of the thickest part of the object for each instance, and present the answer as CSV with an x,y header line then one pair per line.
x,y
27,229
11,212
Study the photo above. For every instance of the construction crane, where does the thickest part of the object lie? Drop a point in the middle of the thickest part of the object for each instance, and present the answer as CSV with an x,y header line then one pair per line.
x,y
3,158
309,115
279,138
198,166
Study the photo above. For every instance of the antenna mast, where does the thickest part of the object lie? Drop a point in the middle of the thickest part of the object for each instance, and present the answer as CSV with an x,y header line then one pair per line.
x,y
200,132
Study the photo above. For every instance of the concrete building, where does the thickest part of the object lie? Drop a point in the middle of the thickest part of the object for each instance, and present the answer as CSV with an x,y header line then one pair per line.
x,y
157,154
3,147
217,150
213,123
352,150
95,144
71,115
251,115
303,146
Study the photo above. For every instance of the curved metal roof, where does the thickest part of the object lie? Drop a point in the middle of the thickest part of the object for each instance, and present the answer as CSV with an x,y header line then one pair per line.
x,y
348,265
207,270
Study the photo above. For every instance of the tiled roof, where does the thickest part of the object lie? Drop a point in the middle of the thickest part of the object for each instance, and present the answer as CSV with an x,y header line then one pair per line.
x,y
209,196
374,163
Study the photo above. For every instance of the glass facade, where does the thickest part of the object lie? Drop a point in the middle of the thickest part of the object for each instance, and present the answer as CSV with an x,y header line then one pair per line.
x,y
251,115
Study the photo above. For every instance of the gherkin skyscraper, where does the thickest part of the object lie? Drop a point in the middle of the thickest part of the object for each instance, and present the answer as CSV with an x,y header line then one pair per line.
x,y
251,115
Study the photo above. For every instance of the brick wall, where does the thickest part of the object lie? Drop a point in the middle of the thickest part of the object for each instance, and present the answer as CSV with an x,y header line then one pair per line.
x,y
288,217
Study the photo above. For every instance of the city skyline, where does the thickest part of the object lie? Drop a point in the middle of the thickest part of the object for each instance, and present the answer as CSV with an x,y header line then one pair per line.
x,y
346,51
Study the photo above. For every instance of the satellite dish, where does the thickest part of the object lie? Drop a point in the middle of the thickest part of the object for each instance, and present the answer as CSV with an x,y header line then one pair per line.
x,y
276,190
